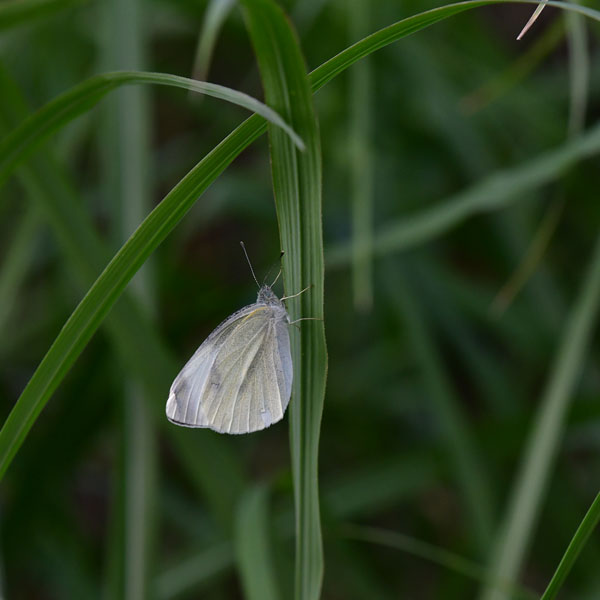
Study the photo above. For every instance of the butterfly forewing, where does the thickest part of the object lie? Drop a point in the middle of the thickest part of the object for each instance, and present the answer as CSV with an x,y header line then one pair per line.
x,y
239,380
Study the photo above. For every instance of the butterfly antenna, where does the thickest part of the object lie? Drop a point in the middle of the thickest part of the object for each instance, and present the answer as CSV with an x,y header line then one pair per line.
x,y
280,268
249,263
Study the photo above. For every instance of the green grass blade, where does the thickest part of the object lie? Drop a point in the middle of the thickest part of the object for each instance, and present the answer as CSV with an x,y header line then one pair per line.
x,y
493,193
531,481
361,168
500,84
100,298
357,493
17,12
579,72
447,411
382,38
435,554
194,572
207,460
297,187
214,17
109,286
589,523
13,268
58,112
254,557
132,549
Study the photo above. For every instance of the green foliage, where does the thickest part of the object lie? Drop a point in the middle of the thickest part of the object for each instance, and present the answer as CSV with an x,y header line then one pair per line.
x,y
463,437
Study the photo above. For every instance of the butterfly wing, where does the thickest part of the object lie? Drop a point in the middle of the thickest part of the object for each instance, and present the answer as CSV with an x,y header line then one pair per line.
x,y
239,379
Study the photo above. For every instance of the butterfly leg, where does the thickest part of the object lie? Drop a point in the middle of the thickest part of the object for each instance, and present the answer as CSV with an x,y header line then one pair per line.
x,y
300,292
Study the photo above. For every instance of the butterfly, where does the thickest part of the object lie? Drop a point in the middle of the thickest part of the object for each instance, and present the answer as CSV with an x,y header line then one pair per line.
x,y
240,379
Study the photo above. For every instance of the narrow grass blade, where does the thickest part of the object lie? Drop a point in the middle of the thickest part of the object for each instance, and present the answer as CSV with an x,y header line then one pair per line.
x,y
440,556
493,193
194,572
382,38
131,552
214,17
17,12
579,72
531,259
13,268
518,70
531,480
58,112
361,168
446,412
297,187
353,494
532,19
100,298
252,544
212,469
589,523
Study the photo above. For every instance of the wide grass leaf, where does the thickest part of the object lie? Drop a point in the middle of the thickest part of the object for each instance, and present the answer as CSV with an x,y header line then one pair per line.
x,y
297,187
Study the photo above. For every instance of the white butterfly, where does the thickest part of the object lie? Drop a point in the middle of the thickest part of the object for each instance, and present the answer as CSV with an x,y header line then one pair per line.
x,y
240,379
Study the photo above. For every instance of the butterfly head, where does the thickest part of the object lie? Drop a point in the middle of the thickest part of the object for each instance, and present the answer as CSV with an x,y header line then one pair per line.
x,y
267,296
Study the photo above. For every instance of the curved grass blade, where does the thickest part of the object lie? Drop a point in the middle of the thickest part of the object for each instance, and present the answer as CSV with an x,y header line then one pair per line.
x,y
297,188
434,554
16,12
214,17
494,192
542,445
82,97
108,287
209,463
252,546
17,145
532,19
589,523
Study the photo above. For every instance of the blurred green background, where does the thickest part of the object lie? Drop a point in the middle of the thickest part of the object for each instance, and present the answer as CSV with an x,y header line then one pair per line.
x,y
462,361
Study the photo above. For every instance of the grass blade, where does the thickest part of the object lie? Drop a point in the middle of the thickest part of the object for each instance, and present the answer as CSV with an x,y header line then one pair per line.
x,y
361,168
207,459
447,412
132,548
532,19
579,72
497,191
253,550
214,17
16,146
589,523
297,187
108,287
194,572
16,12
531,480
14,267
435,554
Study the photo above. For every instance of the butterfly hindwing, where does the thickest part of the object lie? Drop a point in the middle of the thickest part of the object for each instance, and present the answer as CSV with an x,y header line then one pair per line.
x,y
239,379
